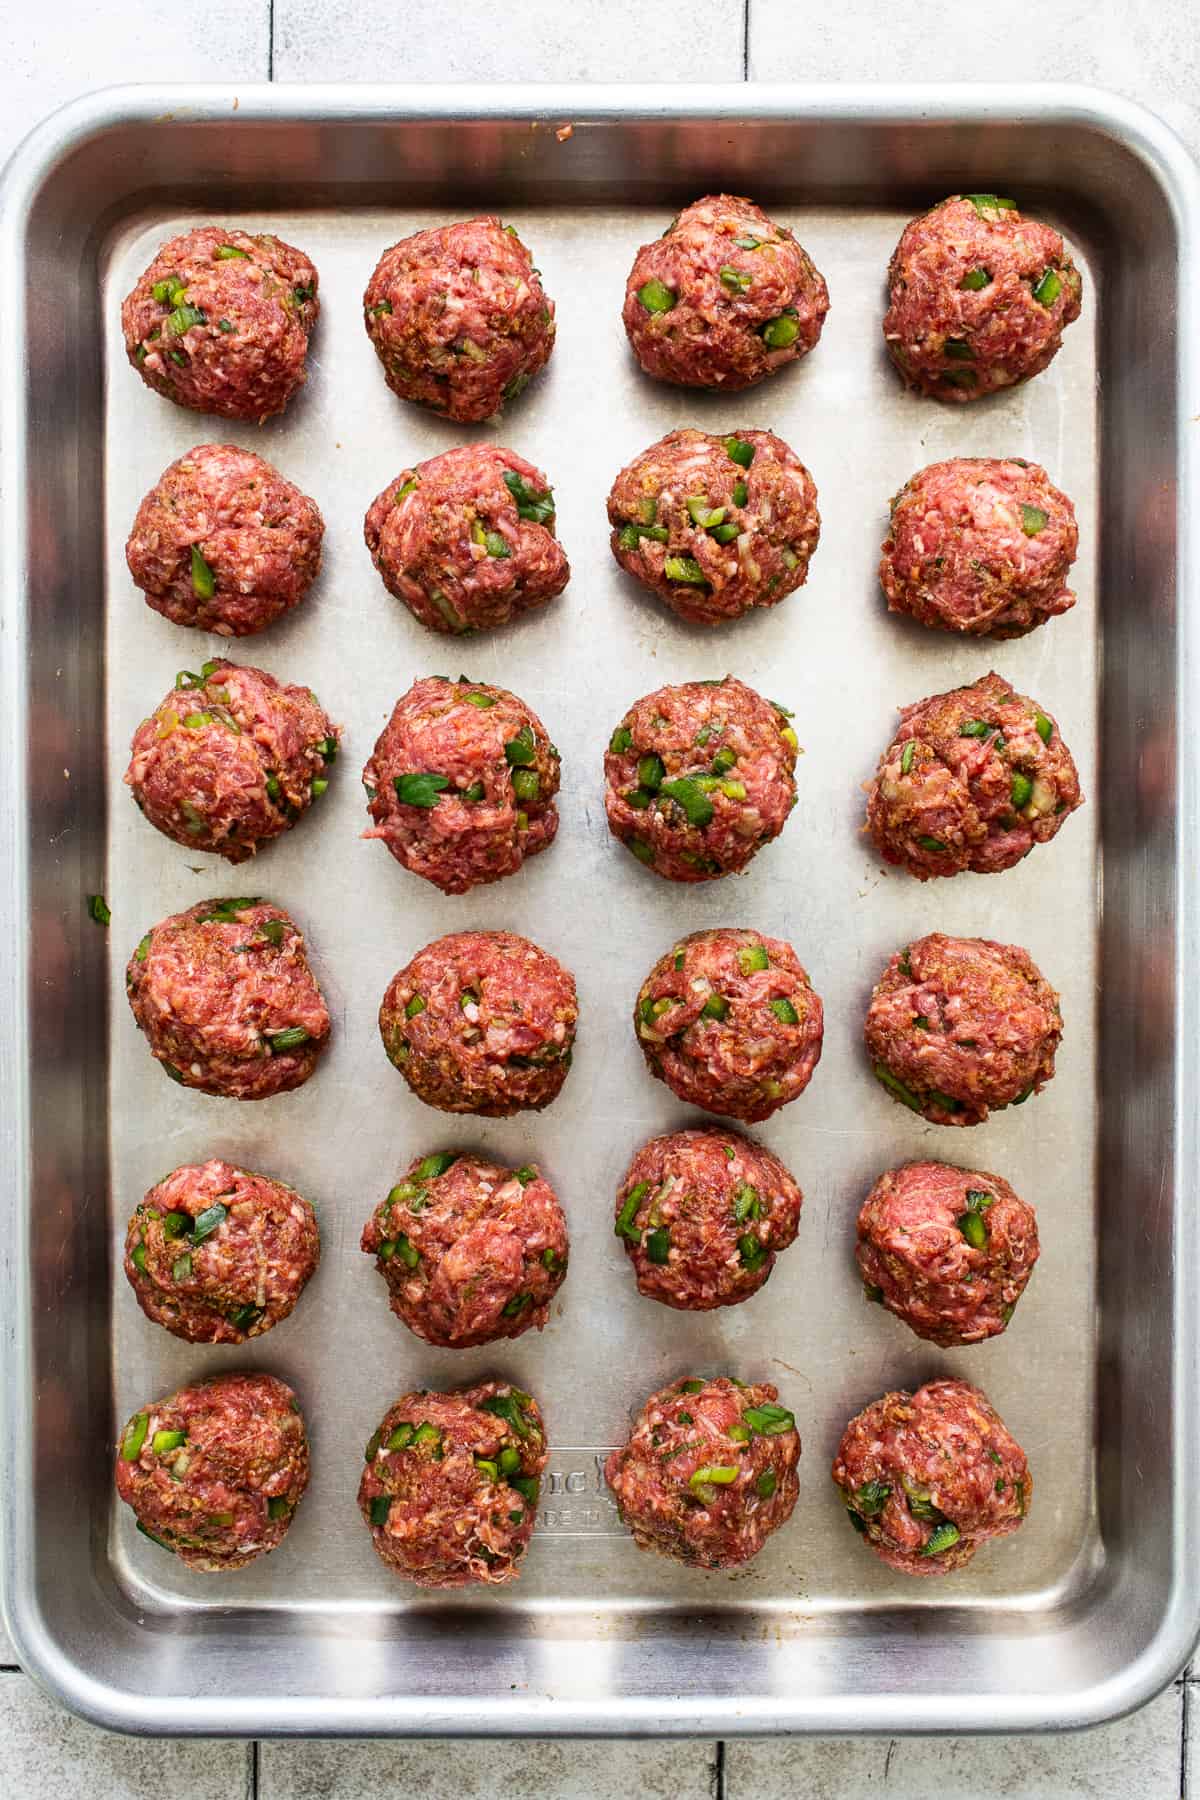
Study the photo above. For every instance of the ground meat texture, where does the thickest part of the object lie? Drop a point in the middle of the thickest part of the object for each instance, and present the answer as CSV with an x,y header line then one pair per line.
x,y
958,1028
459,318
220,322
708,1472
215,1471
471,1252
972,780
227,1000
699,777
461,783
450,1488
481,1022
724,297
947,1250
218,1255
929,1477
978,298
728,1019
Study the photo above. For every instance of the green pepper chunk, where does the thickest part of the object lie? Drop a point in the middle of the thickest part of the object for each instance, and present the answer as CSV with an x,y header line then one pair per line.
x,y
621,740
487,1468
735,280
169,292
164,1442
291,1039
869,1499
1048,288
416,1005
655,296
752,957
509,1406
528,1486
278,1506
227,252
183,318
779,333
746,1204
1033,520
696,804
713,1475
685,569
509,1460
521,750
537,507
137,1257
516,1305
526,783
724,534
134,1437
181,1269
381,1506
934,845
769,1420
702,514
752,1252
420,789
715,1007
986,204
658,1245
766,1484
974,1228
210,1220
204,582
942,1537
1022,789
740,451
625,1226
974,280
650,771
785,1012
958,350
407,1252
896,1087
1044,727
401,1436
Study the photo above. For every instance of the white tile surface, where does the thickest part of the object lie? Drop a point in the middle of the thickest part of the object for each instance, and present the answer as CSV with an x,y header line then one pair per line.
x,y
487,1771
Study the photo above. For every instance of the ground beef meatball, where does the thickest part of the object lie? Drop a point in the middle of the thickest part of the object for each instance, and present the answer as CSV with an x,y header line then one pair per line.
x,y
459,318
231,759
699,777
470,1252
215,1471
702,1214
723,297
708,1472
978,298
929,1477
961,1027
947,1250
461,783
220,322
973,779
450,1490
481,1022
466,540
728,1020
227,1000
982,545
715,525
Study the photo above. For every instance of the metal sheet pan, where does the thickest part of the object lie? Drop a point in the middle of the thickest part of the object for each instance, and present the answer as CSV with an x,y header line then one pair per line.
x,y
1095,1604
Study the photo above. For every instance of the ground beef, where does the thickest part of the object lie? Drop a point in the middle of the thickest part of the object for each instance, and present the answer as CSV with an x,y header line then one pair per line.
x,y
947,1250
961,1027
929,1477
459,318
227,1000
470,1252
450,1488
215,1471
699,777
230,759
973,779
481,1022
723,297
461,783
220,322
978,298
708,1472
728,1020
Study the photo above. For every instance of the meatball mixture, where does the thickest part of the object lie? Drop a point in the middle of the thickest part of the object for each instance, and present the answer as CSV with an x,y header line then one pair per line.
x,y
961,1027
450,1488
218,1255
699,777
215,1471
481,1022
978,298
724,297
471,1253
929,1477
220,322
459,318
224,542
729,1021
227,1000
708,1472
461,783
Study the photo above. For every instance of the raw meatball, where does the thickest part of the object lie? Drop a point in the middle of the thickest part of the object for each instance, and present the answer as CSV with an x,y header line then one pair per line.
x,y
973,779
715,525
227,1000
980,544
702,1215
978,298
466,540
961,1027
471,1252
708,1472
450,1490
729,1021
949,1251
461,783
699,777
219,1255
215,1471
458,318
223,542
220,322
481,1022
723,297
929,1477
231,759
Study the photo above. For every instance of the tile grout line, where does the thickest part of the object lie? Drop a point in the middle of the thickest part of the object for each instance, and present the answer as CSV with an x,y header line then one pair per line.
x,y
746,4
271,39
1184,1721
719,1777
254,1771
